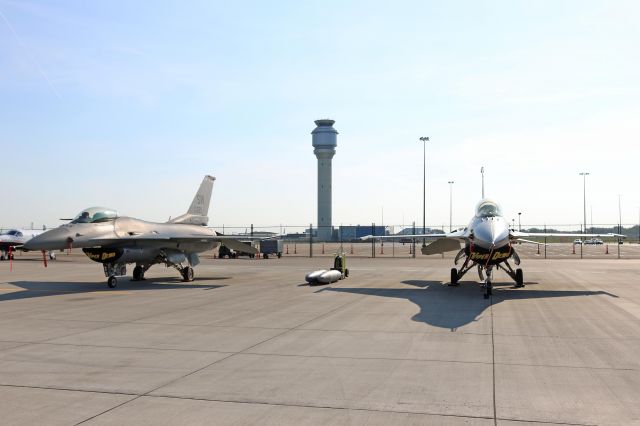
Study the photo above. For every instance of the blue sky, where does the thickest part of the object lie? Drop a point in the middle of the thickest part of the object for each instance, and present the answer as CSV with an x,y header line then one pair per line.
x,y
129,104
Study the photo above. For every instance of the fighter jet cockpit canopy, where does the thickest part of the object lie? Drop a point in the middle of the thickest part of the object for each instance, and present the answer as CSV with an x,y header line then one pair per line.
x,y
488,208
95,215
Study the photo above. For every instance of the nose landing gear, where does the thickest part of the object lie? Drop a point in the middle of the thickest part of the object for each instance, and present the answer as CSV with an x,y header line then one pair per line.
x,y
113,270
488,286
112,282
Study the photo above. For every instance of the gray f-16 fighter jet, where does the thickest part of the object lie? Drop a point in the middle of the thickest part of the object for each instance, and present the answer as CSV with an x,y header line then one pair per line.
x,y
116,240
488,243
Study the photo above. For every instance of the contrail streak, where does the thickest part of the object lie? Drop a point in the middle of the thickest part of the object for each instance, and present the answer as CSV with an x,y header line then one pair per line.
x,y
29,57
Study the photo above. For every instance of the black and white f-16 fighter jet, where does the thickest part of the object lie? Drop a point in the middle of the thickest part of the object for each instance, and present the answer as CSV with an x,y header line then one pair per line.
x,y
488,243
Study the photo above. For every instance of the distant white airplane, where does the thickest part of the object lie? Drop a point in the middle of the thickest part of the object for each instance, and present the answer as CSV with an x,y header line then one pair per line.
x,y
15,238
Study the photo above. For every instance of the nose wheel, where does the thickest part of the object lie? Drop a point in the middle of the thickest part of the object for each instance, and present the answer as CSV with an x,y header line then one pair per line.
x,y
488,289
112,282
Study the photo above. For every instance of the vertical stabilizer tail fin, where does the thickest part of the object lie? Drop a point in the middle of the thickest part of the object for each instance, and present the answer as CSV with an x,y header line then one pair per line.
x,y
199,208
200,204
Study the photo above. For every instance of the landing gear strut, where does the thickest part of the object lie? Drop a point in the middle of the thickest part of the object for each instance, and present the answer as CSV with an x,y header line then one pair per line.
x,y
488,286
516,275
456,275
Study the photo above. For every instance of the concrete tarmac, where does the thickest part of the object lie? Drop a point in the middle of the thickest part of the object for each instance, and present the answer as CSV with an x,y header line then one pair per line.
x,y
249,342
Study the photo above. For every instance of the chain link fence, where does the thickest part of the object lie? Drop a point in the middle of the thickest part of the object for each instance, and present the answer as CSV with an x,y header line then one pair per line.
x,y
302,241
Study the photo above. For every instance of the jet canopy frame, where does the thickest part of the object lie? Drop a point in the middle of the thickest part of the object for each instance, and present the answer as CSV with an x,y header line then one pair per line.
x,y
488,208
95,215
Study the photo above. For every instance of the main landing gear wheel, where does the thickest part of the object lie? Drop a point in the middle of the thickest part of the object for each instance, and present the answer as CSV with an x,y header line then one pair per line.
x,y
454,276
138,273
519,278
112,282
187,274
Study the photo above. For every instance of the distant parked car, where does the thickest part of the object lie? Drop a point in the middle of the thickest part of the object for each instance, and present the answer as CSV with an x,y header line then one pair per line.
x,y
577,241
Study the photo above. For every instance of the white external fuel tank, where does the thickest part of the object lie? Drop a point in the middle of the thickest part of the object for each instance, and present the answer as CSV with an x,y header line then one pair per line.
x,y
330,277
312,277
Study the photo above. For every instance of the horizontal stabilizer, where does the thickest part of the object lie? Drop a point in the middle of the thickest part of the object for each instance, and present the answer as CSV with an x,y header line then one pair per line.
x,y
239,246
190,219
441,245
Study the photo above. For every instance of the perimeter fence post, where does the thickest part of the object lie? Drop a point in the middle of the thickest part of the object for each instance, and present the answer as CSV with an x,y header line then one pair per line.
x,y
393,241
413,241
373,240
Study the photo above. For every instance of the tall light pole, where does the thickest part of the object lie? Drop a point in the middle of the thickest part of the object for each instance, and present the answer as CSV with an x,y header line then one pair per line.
x,y
519,224
619,215
424,186
619,223
451,205
584,198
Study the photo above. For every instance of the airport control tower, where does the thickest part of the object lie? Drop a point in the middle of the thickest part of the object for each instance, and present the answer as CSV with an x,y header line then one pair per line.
x,y
324,141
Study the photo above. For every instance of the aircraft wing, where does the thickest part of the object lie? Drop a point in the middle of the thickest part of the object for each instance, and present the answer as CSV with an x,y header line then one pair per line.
x,y
159,240
459,234
443,242
518,235
520,240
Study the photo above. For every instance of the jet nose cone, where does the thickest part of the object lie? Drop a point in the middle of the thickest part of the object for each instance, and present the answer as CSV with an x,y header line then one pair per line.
x,y
55,239
491,234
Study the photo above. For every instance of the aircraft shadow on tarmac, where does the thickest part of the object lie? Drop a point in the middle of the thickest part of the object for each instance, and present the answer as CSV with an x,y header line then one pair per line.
x,y
449,307
48,288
